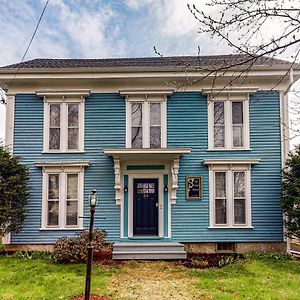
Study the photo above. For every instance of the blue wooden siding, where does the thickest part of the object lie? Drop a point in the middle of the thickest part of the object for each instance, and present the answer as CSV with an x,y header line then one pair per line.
x,y
187,127
104,127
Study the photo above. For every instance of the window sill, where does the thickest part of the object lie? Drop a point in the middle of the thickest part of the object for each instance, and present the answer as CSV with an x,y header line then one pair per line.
x,y
56,152
61,229
230,149
230,227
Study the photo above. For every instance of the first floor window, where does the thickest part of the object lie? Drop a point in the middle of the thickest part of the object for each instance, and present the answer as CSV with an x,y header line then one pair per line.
x,y
64,200
230,198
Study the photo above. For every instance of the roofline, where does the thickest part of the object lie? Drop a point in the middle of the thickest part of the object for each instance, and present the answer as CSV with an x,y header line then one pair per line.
x,y
4,70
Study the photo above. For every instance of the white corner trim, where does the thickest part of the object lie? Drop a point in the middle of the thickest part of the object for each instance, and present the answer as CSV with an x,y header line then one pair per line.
x,y
63,93
79,163
10,122
230,161
6,239
143,92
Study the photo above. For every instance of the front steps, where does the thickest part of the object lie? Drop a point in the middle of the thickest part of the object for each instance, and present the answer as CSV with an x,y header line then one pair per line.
x,y
147,250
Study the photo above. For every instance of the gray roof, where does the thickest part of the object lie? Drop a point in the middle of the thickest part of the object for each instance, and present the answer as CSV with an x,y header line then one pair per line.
x,y
152,62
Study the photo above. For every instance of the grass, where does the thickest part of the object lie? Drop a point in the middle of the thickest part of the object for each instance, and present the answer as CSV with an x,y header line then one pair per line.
x,y
22,279
252,279
266,278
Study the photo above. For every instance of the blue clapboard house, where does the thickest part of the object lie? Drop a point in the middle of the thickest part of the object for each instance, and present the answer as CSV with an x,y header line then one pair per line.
x,y
183,155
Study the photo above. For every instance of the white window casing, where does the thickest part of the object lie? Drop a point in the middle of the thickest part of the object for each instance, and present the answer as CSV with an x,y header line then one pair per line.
x,y
146,99
230,167
64,98
62,172
228,99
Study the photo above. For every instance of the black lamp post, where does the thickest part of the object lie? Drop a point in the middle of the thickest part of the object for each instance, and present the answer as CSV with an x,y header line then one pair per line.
x,y
93,198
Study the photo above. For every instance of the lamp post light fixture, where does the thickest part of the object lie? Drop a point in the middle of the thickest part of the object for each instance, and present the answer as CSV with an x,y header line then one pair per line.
x,y
93,200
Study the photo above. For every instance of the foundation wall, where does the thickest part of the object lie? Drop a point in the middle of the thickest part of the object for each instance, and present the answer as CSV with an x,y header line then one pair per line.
x,y
239,247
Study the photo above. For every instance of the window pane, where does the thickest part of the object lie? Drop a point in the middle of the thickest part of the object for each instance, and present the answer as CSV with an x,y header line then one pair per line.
x,y
136,137
220,184
239,184
72,186
54,138
54,115
239,211
73,138
154,113
53,207
237,135
220,211
155,137
71,213
53,187
73,114
219,136
136,114
218,112
237,112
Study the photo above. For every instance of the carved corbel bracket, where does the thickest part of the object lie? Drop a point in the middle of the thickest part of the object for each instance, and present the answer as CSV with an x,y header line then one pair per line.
x,y
117,168
174,182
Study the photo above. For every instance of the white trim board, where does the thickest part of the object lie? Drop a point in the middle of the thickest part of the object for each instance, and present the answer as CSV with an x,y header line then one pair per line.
x,y
160,178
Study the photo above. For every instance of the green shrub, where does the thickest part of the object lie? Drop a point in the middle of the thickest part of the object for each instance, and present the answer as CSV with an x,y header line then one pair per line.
x,y
74,250
268,255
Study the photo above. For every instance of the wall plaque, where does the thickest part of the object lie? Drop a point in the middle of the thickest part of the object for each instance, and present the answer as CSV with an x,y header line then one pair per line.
x,y
193,187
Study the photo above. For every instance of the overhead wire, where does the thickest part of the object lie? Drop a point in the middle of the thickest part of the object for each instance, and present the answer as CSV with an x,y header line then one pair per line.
x,y
29,44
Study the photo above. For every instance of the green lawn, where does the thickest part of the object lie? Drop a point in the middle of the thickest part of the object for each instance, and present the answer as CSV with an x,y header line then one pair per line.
x,y
22,279
253,279
249,279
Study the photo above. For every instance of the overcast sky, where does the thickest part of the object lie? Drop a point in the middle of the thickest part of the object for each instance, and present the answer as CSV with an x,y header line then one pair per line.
x,y
101,29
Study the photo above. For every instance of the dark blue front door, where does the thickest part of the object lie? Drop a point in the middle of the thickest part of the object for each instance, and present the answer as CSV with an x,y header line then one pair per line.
x,y
145,206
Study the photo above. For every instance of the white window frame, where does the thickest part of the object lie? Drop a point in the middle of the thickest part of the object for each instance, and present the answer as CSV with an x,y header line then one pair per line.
x,y
63,172
146,100
228,99
230,169
64,124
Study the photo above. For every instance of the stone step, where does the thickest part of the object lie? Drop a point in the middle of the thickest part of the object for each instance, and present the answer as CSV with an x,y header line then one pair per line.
x,y
159,250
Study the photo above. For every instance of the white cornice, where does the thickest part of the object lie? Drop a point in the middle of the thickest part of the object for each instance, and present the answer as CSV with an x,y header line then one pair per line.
x,y
119,151
230,161
233,90
79,163
63,93
145,92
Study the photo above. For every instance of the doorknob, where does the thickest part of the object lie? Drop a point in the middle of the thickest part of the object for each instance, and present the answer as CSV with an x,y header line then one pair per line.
x,y
156,204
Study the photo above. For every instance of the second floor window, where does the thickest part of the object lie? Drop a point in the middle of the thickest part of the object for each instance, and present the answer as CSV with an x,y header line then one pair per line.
x,y
147,124
228,125
63,130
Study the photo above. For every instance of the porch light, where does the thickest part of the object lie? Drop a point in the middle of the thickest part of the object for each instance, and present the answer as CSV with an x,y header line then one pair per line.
x,y
93,198
165,188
